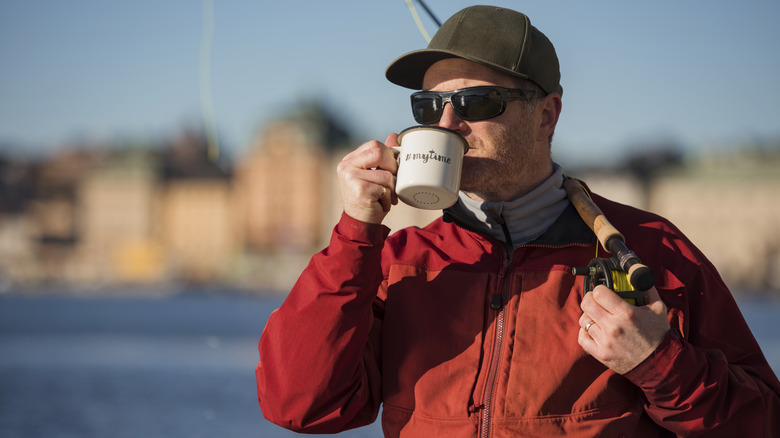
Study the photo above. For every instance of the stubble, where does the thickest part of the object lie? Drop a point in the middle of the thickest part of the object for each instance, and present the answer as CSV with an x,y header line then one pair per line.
x,y
507,167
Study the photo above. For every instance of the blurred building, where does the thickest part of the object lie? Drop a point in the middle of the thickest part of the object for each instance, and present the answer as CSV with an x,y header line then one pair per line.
x,y
197,212
118,207
52,216
285,183
731,210
728,206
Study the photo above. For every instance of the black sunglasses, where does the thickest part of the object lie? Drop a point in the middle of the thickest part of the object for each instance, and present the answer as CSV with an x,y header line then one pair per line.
x,y
471,104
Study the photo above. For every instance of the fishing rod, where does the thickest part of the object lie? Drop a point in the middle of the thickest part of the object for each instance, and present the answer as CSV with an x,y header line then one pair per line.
x,y
416,17
624,273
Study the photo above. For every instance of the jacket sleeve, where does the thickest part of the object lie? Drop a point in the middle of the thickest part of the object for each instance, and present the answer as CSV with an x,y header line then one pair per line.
x,y
708,377
319,360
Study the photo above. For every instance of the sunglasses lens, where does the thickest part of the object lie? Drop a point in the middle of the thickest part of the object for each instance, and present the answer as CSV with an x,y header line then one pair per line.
x,y
426,108
478,104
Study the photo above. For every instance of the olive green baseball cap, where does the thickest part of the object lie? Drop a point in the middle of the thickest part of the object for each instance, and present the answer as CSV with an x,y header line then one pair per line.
x,y
496,37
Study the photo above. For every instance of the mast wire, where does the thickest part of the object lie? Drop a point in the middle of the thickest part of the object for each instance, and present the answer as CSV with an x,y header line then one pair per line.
x,y
207,106
417,20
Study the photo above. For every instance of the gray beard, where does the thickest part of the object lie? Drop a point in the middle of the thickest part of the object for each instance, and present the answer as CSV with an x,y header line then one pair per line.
x,y
489,177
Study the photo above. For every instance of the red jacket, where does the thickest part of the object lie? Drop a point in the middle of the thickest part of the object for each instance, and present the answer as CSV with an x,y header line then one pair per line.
x,y
456,336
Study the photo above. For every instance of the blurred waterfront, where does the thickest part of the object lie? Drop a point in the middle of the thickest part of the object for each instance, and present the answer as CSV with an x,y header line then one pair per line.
x,y
102,216
175,366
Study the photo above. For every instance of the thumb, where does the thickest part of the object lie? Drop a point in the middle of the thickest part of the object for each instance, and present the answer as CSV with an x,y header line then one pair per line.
x,y
653,300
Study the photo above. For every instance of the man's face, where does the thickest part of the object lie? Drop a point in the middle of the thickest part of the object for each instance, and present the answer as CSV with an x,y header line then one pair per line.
x,y
507,158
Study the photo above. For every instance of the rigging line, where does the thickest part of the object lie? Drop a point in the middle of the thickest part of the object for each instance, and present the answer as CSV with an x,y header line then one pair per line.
x,y
207,107
417,21
430,14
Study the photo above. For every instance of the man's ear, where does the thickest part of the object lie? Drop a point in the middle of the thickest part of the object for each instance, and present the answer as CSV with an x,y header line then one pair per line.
x,y
550,108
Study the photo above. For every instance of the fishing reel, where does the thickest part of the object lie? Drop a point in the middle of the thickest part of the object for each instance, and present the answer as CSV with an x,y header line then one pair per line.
x,y
607,272
624,273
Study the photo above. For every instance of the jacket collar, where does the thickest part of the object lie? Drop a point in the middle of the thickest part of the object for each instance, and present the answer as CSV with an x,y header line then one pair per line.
x,y
568,229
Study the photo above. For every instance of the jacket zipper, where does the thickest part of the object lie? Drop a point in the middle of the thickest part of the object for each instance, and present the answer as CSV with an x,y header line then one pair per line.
x,y
497,304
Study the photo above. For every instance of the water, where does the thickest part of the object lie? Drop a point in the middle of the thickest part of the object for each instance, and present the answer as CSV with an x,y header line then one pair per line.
x,y
102,367
163,367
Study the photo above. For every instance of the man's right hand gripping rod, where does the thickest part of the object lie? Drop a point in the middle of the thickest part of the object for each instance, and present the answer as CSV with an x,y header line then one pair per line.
x,y
640,276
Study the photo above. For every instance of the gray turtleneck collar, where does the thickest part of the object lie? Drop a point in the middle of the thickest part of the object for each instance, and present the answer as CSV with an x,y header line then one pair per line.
x,y
523,219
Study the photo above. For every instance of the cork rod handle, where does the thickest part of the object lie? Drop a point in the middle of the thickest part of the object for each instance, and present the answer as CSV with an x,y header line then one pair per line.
x,y
591,213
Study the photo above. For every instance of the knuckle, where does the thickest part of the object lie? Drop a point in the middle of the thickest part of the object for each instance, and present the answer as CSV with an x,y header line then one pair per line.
x,y
586,300
343,167
360,186
626,313
607,344
375,153
349,177
614,332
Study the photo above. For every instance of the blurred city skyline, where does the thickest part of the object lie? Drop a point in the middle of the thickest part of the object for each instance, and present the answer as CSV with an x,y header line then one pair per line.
x,y
633,75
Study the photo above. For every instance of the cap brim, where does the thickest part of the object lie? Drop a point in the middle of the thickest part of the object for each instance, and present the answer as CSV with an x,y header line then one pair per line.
x,y
409,70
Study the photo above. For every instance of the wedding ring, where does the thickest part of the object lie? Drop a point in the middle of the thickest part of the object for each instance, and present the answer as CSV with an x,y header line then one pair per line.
x,y
587,326
384,192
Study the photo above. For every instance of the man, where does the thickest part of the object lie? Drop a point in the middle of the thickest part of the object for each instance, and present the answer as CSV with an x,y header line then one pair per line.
x,y
475,325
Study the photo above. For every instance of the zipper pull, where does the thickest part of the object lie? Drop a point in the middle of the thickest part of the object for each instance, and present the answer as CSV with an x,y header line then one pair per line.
x,y
474,408
505,229
496,302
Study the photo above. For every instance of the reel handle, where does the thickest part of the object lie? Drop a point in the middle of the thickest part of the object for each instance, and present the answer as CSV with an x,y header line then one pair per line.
x,y
640,275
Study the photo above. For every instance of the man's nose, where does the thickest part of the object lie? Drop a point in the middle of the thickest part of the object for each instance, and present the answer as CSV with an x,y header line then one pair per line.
x,y
450,119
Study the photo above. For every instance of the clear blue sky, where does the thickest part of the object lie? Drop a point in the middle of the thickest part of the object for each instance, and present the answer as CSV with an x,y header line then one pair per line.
x,y
696,72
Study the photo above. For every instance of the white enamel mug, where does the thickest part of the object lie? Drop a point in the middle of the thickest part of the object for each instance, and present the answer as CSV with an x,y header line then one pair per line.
x,y
430,159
